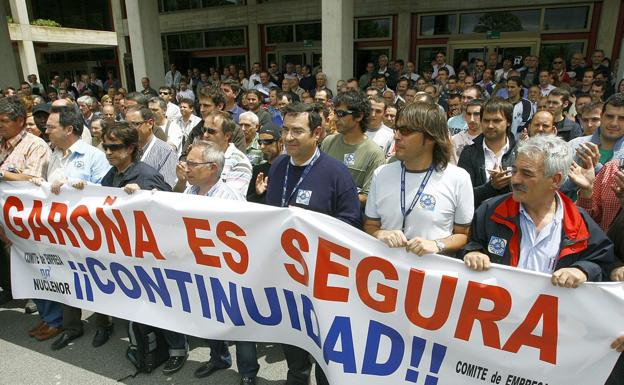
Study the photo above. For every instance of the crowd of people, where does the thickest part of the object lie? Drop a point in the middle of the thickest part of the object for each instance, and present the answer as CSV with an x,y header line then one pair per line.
x,y
489,163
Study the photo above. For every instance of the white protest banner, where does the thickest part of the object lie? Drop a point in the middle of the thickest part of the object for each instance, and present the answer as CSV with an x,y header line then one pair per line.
x,y
369,314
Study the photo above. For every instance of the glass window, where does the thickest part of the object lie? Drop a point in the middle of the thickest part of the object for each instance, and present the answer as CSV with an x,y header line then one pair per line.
x,y
311,31
437,25
180,5
225,38
279,34
173,41
556,19
548,51
374,28
191,40
426,56
504,21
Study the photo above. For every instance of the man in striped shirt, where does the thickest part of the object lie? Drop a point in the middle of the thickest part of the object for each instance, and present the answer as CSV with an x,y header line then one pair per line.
x,y
155,152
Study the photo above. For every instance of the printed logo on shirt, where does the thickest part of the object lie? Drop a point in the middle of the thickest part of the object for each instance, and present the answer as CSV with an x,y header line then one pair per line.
x,y
497,246
427,202
303,197
349,159
79,164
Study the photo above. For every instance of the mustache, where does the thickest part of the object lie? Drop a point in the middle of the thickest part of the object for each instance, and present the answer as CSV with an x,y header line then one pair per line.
x,y
519,187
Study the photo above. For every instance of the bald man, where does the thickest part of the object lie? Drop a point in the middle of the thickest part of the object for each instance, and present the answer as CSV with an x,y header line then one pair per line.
x,y
542,123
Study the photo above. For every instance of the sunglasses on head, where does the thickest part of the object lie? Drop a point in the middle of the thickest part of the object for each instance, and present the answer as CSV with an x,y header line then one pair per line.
x,y
113,147
266,142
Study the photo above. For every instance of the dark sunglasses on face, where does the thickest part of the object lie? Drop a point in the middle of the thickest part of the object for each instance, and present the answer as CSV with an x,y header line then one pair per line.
x,y
266,142
405,131
163,93
113,147
210,131
343,113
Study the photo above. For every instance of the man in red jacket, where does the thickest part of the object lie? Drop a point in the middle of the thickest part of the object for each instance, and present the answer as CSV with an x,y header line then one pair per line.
x,y
536,227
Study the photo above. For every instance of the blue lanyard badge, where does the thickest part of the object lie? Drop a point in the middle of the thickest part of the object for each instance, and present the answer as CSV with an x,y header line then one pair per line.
x,y
306,171
423,184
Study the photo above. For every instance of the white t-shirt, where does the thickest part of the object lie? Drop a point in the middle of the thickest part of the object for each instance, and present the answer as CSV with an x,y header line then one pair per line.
x,y
384,137
446,200
175,135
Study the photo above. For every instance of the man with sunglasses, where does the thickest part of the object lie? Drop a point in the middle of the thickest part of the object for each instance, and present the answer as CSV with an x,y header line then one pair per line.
x,y
155,152
173,111
422,188
219,128
308,178
272,146
351,145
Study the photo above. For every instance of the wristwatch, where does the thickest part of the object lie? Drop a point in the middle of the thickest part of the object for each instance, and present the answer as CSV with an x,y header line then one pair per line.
x,y
440,245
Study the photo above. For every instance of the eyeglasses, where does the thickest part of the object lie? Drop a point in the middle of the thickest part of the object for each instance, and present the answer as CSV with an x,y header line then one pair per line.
x,y
266,142
405,131
136,124
343,113
190,164
163,93
113,147
210,131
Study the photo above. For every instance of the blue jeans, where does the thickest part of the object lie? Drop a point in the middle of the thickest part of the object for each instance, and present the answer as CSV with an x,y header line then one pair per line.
x,y
178,347
50,312
246,356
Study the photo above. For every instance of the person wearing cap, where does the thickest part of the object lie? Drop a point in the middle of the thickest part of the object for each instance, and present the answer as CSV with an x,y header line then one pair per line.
x,y
40,116
271,144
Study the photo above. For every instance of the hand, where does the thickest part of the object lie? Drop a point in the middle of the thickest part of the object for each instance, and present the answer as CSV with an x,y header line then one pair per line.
x,y
261,183
131,188
583,177
3,237
55,187
524,135
588,152
79,185
618,344
181,171
617,274
476,260
568,277
499,178
36,180
618,186
392,238
420,246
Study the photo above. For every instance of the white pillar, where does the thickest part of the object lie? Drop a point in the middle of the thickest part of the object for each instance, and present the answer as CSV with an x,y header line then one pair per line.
x,y
253,34
9,74
145,42
404,36
337,35
25,46
121,40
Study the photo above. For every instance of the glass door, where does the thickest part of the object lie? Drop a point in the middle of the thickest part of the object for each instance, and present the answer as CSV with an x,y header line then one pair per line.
x,y
467,51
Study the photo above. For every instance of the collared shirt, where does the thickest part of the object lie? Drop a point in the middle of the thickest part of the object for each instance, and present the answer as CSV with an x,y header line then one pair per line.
x,y
253,152
491,159
173,111
188,126
540,251
25,153
235,112
162,157
82,162
220,190
236,170
462,140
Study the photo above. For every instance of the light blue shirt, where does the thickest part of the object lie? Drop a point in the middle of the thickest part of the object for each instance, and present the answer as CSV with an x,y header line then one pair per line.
x,y
457,124
540,251
83,162
219,190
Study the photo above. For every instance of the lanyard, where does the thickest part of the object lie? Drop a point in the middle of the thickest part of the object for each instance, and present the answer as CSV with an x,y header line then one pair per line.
x,y
305,173
423,184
